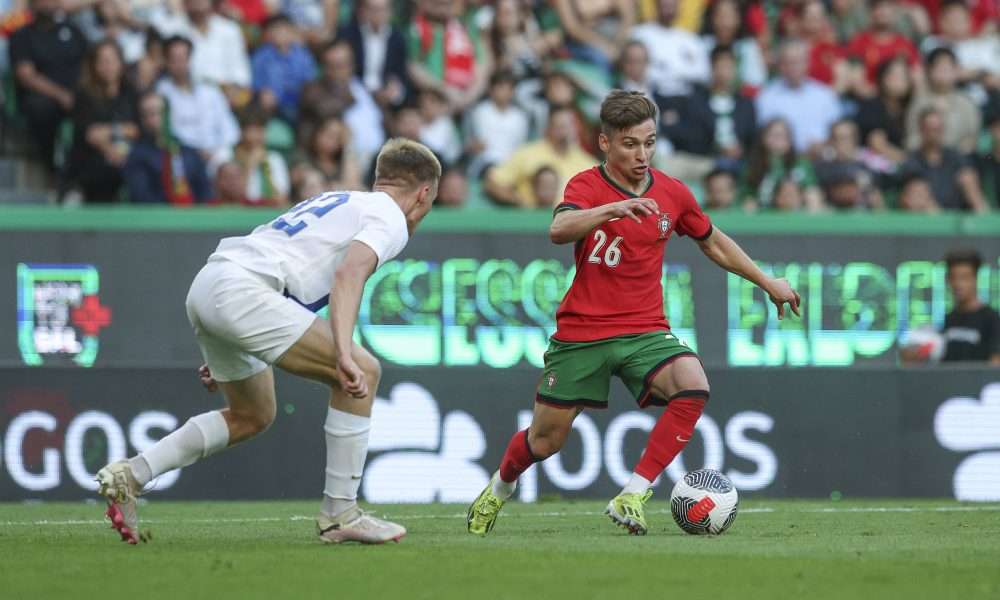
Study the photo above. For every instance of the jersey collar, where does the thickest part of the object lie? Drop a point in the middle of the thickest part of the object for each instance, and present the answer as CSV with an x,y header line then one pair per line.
x,y
607,177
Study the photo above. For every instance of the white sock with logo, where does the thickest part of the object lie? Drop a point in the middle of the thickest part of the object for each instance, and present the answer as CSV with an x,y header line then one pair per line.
x,y
637,484
200,436
346,450
503,489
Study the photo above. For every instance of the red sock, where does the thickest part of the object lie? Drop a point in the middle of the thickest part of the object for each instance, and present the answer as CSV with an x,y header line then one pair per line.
x,y
517,458
671,433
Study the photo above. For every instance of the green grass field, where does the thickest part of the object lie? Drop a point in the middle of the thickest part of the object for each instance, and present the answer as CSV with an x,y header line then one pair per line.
x,y
776,549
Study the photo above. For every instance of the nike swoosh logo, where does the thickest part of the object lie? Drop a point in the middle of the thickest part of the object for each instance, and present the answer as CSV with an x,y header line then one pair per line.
x,y
682,440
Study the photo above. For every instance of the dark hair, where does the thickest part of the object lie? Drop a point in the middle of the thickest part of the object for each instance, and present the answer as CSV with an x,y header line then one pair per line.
x,y
718,172
925,112
948,4
275,19
758,161
938,53
741,32
882,71
622,110
502,76
719,51
89,81
964,256
177,39
253,115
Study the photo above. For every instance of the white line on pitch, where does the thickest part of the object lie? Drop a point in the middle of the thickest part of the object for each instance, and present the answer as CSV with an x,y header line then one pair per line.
x,y
757,510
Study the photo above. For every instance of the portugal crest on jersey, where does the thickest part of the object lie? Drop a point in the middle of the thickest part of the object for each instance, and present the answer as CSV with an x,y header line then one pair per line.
x,y
664,225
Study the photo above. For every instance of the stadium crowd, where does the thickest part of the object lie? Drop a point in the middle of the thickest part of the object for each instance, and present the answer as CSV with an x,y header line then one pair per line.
x,y
765,105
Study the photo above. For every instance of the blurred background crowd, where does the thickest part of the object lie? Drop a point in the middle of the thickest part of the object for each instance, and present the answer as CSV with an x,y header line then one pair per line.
x,y
765,105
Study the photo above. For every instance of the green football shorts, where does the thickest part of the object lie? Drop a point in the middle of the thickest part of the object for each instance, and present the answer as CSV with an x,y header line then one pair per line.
x,y
579,373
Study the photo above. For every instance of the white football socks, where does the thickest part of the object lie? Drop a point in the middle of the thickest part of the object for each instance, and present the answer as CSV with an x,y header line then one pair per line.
x,y
201,436
346,449
503,489
637,484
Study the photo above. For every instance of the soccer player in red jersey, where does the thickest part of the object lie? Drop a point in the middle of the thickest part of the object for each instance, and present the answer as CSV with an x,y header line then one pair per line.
x,y
620,215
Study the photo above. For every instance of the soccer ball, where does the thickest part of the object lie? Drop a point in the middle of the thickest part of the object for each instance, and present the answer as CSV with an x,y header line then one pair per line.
x,y
704,502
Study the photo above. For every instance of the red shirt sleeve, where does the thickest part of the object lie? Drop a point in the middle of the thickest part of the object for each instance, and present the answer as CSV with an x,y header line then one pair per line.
x,y
692,221
579,193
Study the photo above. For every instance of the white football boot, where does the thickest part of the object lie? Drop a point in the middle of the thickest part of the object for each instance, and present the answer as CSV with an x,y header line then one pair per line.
x,y
355,525
116,483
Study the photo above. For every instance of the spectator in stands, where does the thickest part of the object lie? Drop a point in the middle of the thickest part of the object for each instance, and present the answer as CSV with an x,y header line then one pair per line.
x,y
453,189
510,182
715,122
339,93
849,18
882,119
726,28
112,19
380,60
329,151
200,117
219,53
881,42
827,57
962,118
310,184
843,173
265,171
446,54
149,68
248,13
596,30
518,42
773,160
809,107
231,185
720,190
546,187
538,97
159,169
952,179
316,19
916,196
988,164
46,55
495,114
439,132
281,67
633,69
788,195
978,56
678,58
105,121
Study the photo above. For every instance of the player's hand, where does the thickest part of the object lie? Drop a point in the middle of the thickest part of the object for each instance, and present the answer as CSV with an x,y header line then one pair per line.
x,y
780,293
206,379
634,208
351,377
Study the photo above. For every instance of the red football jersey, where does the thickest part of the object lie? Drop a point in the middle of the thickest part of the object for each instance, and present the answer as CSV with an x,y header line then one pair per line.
x,y
617,289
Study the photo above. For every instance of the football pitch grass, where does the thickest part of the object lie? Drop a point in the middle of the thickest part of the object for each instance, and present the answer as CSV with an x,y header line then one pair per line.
x,y
556,549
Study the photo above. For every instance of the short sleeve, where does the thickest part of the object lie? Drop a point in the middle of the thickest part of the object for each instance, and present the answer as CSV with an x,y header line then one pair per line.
x,y
383,229
19,48
692,222
578,194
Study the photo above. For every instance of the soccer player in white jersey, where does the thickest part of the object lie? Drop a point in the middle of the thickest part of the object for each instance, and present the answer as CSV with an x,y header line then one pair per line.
x,y
252,306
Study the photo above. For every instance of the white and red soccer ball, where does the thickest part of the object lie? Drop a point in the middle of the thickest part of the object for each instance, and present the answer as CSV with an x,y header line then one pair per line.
x,y
704,502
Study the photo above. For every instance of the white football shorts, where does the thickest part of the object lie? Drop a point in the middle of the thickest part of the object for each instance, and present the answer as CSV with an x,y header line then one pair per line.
x,y
243,324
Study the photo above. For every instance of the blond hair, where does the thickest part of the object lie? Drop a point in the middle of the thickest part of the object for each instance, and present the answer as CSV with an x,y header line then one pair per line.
x,y
406,163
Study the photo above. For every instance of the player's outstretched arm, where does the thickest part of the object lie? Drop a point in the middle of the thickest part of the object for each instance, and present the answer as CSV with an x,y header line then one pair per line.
x,y
345,298
572,225
727,254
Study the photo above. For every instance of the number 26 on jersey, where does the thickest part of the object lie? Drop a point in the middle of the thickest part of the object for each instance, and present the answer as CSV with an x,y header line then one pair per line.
x,y
612,256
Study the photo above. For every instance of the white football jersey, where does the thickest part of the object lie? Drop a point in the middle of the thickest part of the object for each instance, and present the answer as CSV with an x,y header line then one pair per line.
x,y
302,249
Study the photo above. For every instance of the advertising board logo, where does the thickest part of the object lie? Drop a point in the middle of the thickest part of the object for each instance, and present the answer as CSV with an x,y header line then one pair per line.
x,y
59,314
964,424
426,458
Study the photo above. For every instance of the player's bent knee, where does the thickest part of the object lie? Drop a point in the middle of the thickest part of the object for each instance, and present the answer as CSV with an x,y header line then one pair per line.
x,y
256,421
546,443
